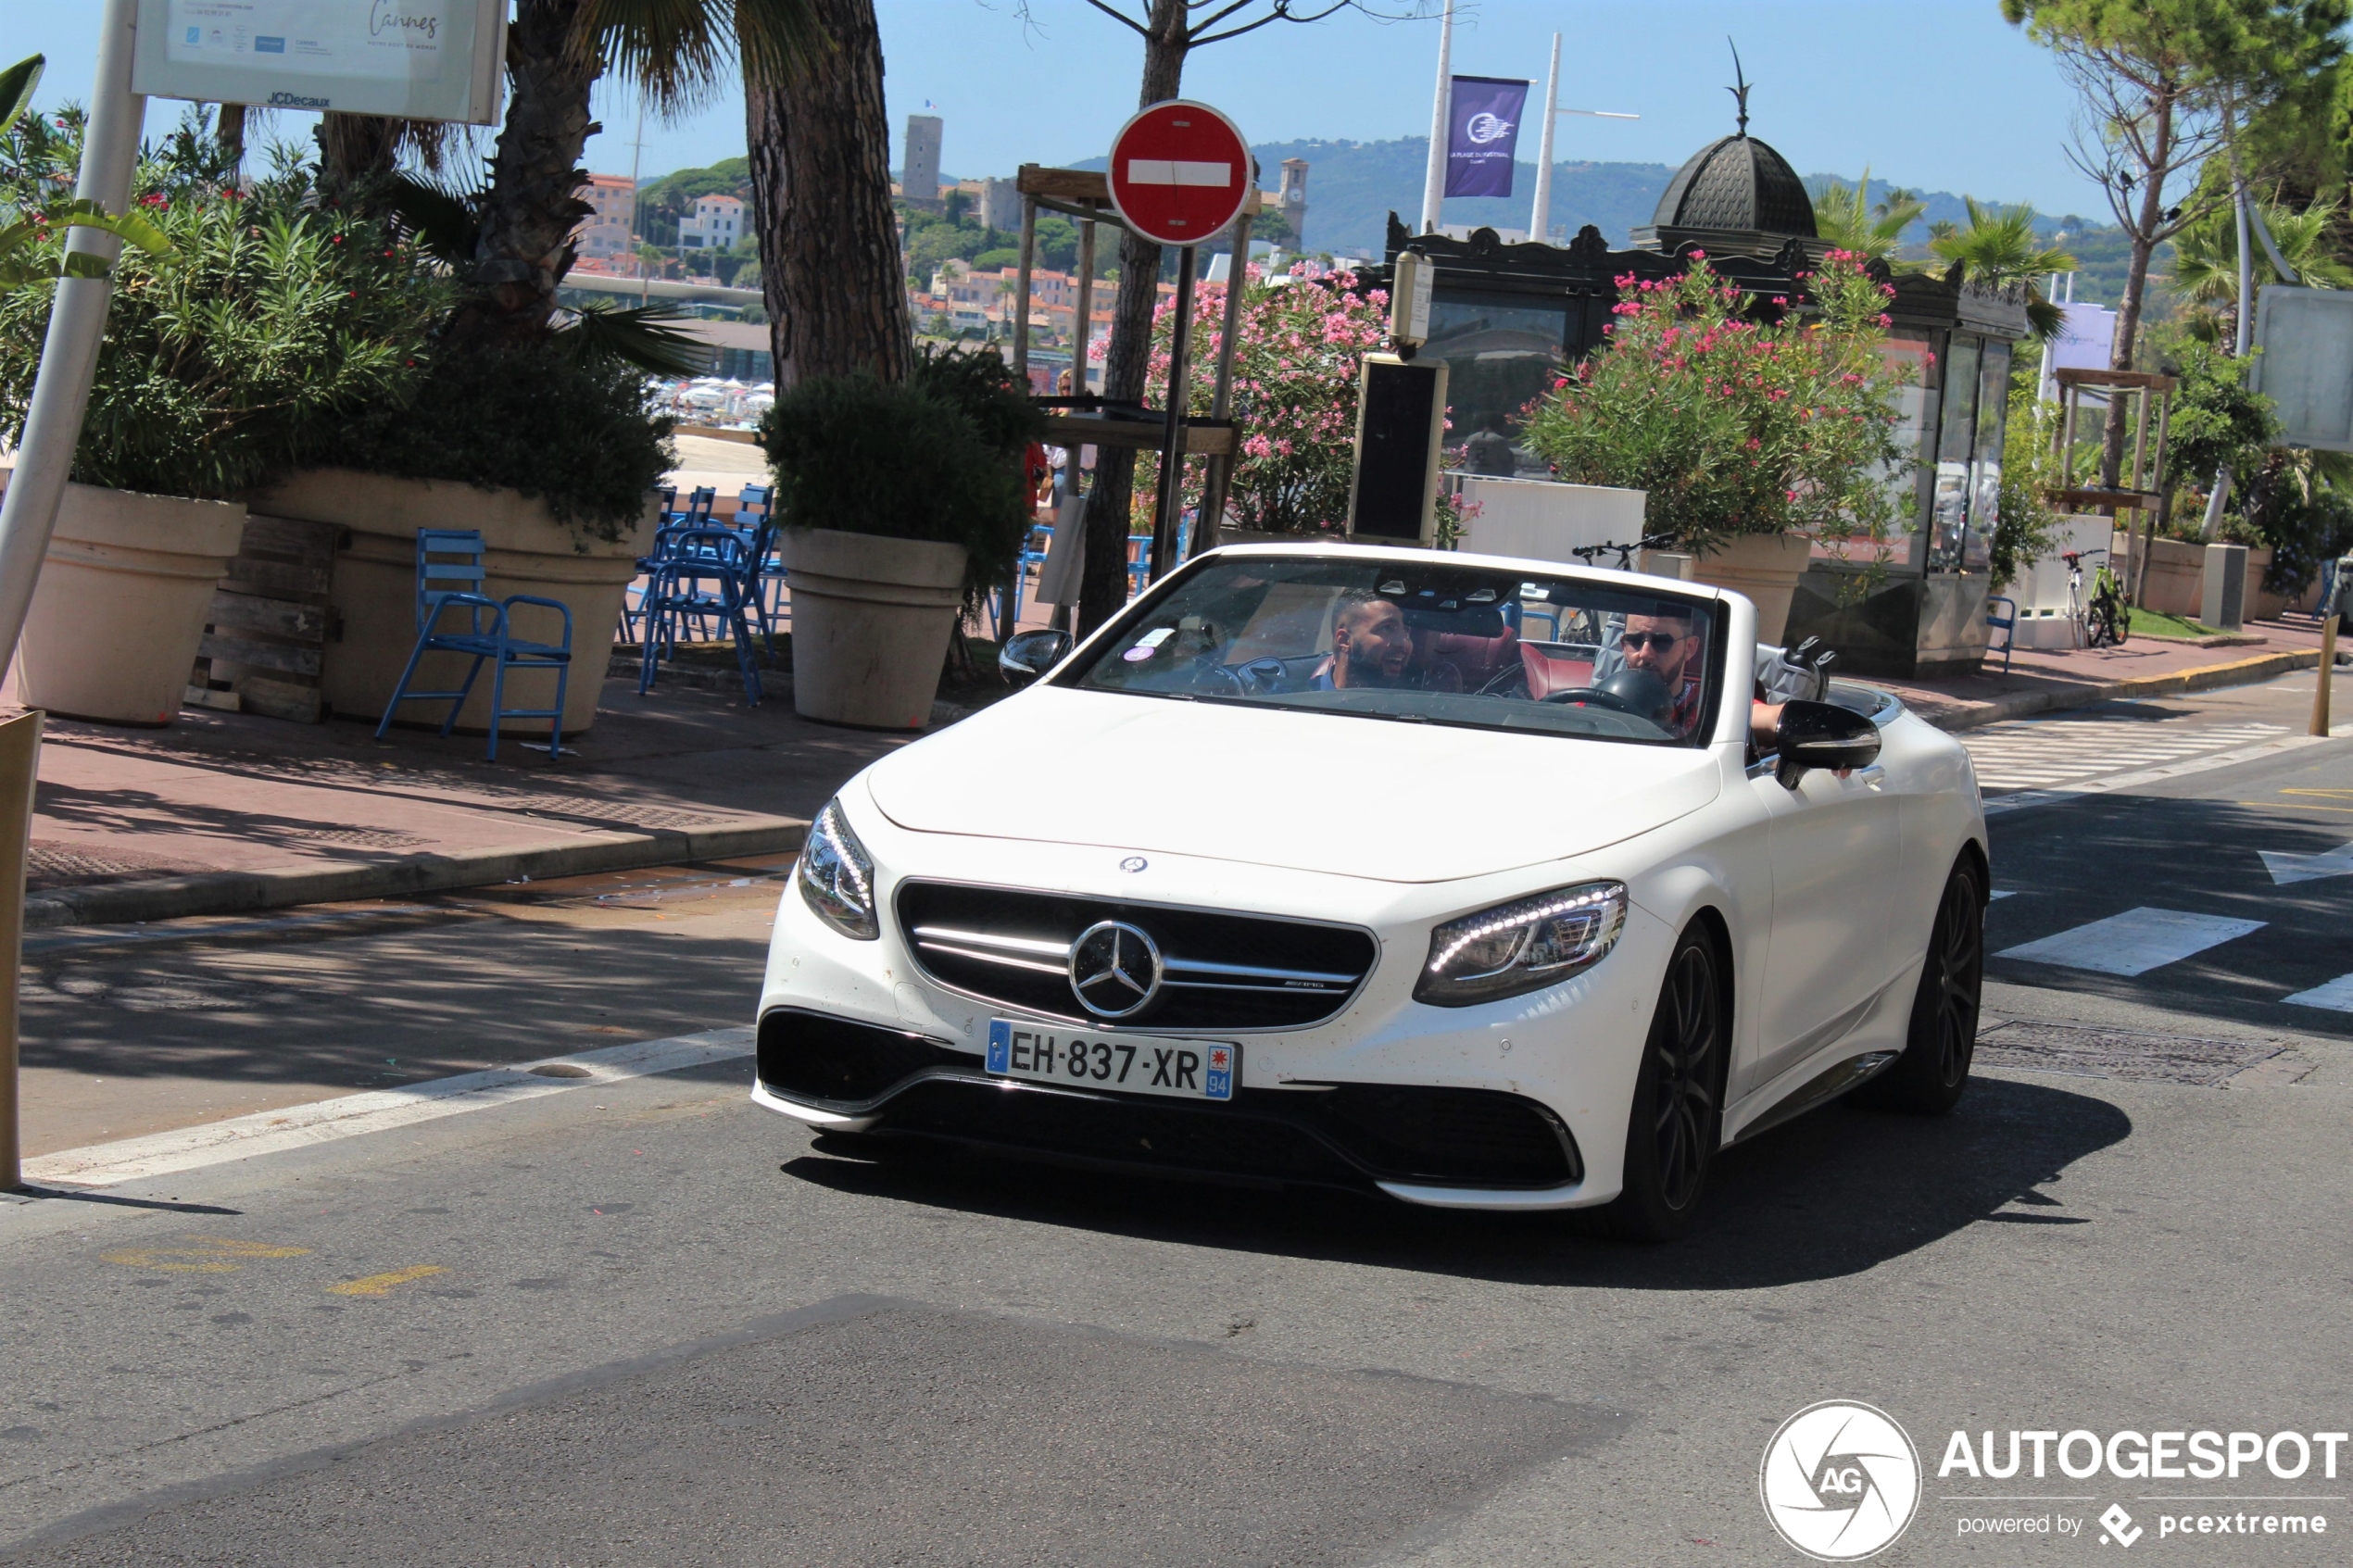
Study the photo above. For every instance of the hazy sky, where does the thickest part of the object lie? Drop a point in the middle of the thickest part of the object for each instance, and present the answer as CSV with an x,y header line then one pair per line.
x,y
1937,94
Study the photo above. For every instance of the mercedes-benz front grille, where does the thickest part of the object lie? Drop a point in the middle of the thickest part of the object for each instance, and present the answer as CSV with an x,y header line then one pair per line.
x,y
1217,970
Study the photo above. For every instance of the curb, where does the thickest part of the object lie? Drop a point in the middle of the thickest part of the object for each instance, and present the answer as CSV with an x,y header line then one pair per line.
x,y
2238,672
229,892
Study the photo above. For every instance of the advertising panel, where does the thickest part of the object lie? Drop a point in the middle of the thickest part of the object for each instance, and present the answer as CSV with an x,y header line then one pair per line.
x,y
413,59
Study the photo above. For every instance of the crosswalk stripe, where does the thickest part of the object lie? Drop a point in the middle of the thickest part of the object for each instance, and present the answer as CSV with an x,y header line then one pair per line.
x,y
2134,941
2336,995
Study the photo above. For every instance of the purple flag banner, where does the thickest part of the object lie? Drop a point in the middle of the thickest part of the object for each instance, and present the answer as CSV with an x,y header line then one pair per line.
x,y
1483,132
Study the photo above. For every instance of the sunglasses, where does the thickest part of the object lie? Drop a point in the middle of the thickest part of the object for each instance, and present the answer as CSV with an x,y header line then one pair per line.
x,y
1639,640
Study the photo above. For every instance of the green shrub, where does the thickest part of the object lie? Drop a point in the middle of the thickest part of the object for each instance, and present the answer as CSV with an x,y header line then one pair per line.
x,y
908,461
573,430
235,359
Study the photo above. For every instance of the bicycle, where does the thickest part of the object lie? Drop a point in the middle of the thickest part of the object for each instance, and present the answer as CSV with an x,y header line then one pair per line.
x,y
1587,553
2104,620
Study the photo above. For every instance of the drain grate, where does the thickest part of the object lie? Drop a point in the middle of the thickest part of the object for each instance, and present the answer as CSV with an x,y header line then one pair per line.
x,y
2128,1053
52,864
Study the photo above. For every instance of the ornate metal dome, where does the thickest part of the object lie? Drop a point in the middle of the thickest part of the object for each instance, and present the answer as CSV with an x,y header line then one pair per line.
x,y
1737,184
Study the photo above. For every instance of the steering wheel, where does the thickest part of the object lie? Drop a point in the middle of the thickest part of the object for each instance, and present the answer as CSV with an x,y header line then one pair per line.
x,y
1211,678
1592,696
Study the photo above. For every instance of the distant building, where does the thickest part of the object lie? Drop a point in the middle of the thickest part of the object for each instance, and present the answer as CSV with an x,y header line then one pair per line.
x,y
718,222
920,181
1000,205
606,230
1293,197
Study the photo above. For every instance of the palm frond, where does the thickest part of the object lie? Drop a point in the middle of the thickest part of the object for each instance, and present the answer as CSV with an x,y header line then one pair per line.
x,y
17,85
679,52
443,222
648,336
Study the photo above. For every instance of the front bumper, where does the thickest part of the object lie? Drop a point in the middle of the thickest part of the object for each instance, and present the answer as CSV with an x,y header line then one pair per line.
x,y
1562,1057
1424,1143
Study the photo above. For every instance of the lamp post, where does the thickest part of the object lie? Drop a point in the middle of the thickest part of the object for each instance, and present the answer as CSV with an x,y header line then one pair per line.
x,y
1540,220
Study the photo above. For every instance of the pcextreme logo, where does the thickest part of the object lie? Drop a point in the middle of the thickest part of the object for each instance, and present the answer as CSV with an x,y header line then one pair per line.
x,y
1840,1481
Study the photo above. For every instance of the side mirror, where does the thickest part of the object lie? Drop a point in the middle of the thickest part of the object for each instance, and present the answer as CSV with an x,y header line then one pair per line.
x,y
1027,655
1822,735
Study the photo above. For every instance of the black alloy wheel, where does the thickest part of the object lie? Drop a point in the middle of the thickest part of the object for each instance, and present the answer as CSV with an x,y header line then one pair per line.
x,y
1677,1118
1927,1078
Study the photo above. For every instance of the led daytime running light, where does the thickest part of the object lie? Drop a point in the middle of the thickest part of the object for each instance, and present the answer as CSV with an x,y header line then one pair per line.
x,y
1527,919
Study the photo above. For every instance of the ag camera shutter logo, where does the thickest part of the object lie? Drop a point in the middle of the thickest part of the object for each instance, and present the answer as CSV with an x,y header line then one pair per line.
x,y
1840,1481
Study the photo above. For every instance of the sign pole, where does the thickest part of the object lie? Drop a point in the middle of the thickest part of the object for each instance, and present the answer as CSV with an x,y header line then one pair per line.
x,y
77,319
1172,441
1539,221
20,762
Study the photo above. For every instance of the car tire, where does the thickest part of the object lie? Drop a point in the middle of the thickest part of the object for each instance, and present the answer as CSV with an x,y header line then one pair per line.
x,y
1927,1079
1678,1115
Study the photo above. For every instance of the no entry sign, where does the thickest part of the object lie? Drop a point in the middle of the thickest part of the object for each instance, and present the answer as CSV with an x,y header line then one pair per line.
x,y
1179,173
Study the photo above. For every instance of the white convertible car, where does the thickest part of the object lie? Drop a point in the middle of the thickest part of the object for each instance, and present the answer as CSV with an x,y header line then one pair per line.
x,y
1481,883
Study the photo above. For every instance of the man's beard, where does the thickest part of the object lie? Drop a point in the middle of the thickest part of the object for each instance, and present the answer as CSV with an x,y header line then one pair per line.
x,y
1365,669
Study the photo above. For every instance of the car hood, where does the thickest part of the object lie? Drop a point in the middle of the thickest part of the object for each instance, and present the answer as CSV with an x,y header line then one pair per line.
x,y
1312,792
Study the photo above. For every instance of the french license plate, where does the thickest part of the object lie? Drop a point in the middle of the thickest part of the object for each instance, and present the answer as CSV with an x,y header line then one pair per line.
x,y
1135,1064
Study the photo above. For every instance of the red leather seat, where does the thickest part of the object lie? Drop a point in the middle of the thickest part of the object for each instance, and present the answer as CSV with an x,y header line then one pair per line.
x,y
1550,666
1476,660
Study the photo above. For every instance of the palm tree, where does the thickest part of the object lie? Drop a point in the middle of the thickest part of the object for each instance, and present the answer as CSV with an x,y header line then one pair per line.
x,y
1844,216
673,51
2001,246
2205,263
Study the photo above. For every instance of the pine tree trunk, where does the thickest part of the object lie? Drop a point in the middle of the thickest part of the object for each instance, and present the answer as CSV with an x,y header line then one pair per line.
x,y
1103,586
534,206
829,267
2137,278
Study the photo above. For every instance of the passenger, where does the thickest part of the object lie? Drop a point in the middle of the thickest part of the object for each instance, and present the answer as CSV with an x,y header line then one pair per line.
x,y
1371,645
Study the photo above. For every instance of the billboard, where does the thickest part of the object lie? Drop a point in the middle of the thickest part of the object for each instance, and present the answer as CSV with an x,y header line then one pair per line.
x,y
2306,364
411,59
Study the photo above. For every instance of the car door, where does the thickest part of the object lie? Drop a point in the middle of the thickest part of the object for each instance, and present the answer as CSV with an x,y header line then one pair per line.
x,y
1837,858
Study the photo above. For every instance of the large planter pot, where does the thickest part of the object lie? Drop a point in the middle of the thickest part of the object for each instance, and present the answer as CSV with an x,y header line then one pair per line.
x,y
2175,583
871,619
1765,567
121,604
373,595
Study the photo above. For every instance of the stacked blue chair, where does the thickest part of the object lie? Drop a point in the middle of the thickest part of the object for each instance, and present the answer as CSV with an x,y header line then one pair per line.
x,y
756,522
632,596
449,577
701,574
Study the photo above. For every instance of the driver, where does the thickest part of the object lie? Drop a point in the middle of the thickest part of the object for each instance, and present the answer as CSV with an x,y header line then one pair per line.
x,y
1371,645
1665,643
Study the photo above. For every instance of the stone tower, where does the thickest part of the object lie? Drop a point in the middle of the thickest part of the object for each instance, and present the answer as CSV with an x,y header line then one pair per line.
x,y
919,183
1294,196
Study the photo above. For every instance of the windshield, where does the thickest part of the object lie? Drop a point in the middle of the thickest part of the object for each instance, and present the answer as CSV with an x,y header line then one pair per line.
x,y
1440,644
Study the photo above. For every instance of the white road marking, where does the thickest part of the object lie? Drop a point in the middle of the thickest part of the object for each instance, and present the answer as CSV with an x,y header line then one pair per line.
x,y
2336,995
2285,869
2134,941
2025,798
271,1132
2002,892
2046,752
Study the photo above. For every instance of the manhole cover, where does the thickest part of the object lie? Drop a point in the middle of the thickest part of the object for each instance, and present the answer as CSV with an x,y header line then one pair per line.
x,y
59,865
2119,1053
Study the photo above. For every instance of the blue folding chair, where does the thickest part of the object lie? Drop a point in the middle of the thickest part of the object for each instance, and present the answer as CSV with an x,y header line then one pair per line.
x,y
449,577
705,575
756,522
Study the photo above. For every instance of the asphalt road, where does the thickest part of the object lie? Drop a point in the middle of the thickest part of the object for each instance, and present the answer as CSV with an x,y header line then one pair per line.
x,y
643,1322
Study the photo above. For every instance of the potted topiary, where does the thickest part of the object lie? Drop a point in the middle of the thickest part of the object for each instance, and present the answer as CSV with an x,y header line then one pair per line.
x,y
551,454
901,505
226,359
1753,437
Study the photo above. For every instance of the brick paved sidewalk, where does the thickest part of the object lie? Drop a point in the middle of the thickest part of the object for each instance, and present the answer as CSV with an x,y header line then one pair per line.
x,y
222,812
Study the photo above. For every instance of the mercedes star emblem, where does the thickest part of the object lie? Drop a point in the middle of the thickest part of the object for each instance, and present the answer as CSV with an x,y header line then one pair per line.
x,y
1134,863
1115,969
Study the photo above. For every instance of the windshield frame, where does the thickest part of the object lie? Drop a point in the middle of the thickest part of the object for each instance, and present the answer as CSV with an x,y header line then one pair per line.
x,y
1714,613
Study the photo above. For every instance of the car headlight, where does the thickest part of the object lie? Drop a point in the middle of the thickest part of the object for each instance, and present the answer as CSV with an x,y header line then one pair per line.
x,y
837,875
1522,946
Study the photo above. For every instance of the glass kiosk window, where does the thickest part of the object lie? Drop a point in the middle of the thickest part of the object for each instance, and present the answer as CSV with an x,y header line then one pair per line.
x,y
1502,353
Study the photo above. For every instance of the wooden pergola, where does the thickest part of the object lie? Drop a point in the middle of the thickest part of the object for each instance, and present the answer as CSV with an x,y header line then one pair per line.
x,y
1083,418
2141,489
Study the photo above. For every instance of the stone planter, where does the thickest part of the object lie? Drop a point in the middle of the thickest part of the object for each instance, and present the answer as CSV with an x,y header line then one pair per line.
x,y
871,619
1765,567
120,607
2176,580
374,596
2262,606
